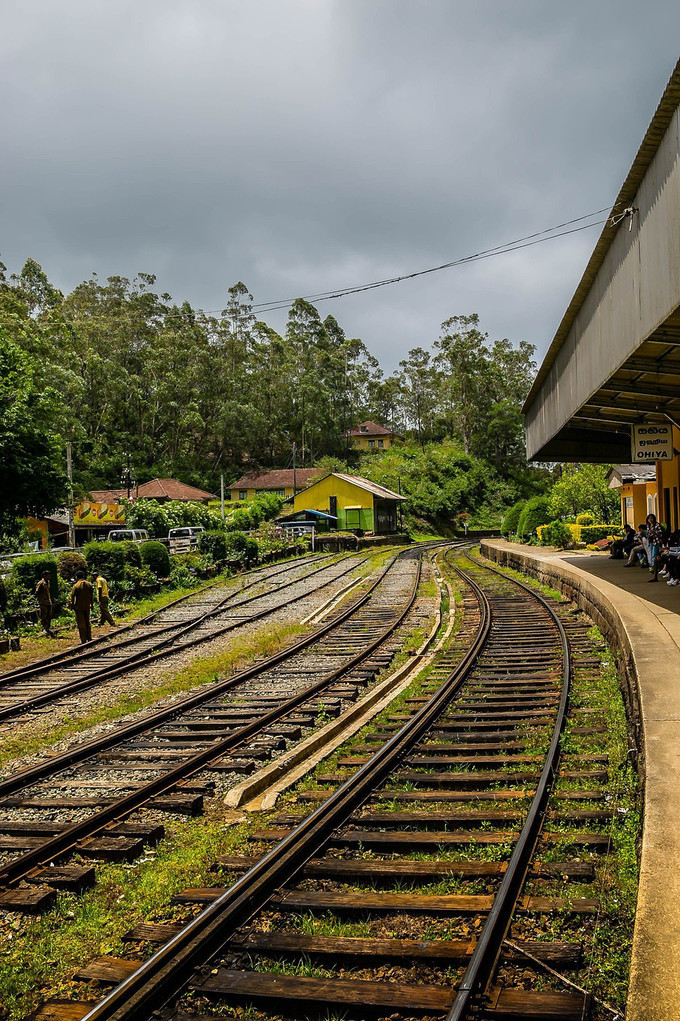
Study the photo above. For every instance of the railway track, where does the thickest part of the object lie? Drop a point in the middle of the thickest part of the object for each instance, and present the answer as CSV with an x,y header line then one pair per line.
x,y
181,625
100,800
450,793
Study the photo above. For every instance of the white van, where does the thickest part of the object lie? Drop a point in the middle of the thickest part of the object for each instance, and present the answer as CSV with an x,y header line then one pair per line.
x,y
128,535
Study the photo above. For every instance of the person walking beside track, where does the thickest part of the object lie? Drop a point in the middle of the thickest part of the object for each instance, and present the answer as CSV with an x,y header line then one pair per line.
x,y
81,600
44,597
102,588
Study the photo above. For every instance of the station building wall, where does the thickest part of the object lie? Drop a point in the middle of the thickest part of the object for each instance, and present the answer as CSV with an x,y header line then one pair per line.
x,y
354,505
668,487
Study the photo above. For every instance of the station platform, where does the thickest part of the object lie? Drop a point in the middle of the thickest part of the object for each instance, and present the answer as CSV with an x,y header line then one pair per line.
x,y
642,622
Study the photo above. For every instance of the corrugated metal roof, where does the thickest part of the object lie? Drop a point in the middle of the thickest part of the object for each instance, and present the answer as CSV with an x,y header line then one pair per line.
x,y
370,487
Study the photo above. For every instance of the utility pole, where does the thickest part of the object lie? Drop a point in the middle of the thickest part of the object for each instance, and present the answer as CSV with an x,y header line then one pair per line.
x,y
294,476
222,494
69,472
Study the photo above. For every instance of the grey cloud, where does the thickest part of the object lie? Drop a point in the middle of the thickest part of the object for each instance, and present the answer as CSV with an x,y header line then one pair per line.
x,y
305,145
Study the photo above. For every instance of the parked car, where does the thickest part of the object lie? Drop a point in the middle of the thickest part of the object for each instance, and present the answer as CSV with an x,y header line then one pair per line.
x,y
184,539
186,532
128,535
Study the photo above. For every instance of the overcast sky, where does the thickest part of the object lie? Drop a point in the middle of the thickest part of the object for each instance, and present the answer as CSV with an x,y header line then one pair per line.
x,y
303,145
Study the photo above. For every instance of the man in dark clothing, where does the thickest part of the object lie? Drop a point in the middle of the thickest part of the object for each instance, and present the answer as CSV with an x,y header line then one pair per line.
x,y
622,547
81,600
44,597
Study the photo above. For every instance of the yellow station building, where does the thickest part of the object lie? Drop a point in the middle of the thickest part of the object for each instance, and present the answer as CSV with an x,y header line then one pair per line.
x,y
636,484
355,503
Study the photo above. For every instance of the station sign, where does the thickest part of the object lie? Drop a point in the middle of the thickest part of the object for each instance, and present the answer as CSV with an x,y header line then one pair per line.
x,y
99,514
652,442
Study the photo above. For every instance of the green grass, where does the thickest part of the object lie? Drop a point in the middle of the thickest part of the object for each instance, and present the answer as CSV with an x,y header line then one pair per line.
x,y
40,961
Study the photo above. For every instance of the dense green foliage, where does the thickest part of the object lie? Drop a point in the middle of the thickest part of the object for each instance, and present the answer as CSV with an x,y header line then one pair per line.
x,y
584,488
534,513
556,534
69,563
155,556
214,545
27,571
511,519
32,480
106,557
120,370
593,533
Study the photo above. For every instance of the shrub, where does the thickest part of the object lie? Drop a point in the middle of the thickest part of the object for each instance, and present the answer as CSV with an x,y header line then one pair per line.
x,y
240,521
213,545
585,519
536,512
106,557
511,519
252,550
556,534
28,571
593,533
131,553
69,563
236,543
155,556
3,596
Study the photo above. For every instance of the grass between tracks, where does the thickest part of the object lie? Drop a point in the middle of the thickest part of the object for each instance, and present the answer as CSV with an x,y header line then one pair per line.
x,y
200,671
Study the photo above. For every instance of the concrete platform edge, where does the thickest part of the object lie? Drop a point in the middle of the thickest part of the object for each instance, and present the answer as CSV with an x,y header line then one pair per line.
x,y
650,663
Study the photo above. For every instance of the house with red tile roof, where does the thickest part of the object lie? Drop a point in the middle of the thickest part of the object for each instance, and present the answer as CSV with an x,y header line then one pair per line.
x,y
371,436
162,490
278,481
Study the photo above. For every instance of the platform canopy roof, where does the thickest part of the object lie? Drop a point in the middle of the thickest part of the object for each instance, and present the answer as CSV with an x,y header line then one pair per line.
x,y
615,359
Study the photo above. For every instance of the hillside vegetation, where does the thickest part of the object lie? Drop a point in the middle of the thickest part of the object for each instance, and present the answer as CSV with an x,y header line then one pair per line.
x,y
127,374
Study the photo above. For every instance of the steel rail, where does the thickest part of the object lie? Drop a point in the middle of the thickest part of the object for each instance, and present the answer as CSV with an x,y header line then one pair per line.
x,y
26,777
164,648
166,972
109,641
482,964
65,840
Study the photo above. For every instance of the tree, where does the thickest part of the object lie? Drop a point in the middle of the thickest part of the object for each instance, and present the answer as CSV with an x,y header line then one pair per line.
x,y
31,479
584,487
418,389
463,362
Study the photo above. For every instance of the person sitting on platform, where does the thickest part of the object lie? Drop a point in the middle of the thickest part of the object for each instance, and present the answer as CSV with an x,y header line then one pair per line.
x,y
638,548
622,547
667,564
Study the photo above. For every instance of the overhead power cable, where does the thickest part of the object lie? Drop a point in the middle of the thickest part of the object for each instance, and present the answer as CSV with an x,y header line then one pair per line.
x,y
510,246
528,241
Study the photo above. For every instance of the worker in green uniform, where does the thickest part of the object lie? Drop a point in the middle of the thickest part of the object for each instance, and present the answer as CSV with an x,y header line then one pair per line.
x,y
103,598
44,597
81,601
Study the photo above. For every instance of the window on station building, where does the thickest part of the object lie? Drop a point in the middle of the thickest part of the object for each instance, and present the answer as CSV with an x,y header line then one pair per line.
x,y
243,494
371,443
381,443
